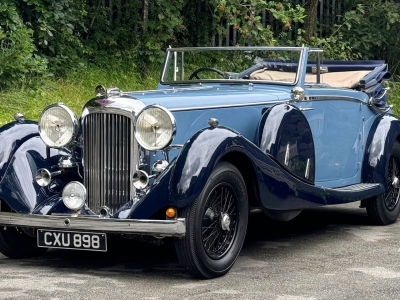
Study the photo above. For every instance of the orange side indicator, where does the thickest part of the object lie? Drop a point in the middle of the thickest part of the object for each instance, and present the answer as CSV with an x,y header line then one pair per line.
x,y
171,212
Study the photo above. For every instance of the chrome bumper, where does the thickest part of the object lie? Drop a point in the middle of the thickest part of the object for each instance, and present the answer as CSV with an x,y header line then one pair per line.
x,y
71,222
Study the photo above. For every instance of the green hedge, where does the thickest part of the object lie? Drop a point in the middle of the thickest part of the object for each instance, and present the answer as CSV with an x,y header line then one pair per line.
x,y
40,38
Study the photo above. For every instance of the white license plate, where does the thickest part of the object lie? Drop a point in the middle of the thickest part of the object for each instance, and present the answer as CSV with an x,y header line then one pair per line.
x,y
72,240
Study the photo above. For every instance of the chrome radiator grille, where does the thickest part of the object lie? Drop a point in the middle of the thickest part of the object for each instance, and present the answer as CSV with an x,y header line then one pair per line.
x,y
108,158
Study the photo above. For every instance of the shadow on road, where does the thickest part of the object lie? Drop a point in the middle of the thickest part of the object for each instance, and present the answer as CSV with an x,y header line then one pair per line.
x,y
133,256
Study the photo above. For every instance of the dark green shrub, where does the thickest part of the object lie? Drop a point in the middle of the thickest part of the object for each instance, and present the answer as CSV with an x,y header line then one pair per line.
x,y
372,29
58,26
19,61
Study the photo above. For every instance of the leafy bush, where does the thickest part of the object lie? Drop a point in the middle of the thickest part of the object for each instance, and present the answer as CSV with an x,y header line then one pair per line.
x,y
245,17
123,29
372,29
58,26
19,61
334,46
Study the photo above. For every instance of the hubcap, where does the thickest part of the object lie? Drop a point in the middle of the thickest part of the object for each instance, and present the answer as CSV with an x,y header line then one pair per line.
x,y
220,220
225,222
396,182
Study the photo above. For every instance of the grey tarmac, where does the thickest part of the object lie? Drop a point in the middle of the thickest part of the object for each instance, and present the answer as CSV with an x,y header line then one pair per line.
x,y
325,253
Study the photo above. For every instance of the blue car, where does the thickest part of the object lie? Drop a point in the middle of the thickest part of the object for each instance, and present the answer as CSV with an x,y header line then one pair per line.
x,y
227,130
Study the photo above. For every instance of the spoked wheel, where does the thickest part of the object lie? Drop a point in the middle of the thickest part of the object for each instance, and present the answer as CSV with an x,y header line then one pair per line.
x,y
385,209
18,242
216,224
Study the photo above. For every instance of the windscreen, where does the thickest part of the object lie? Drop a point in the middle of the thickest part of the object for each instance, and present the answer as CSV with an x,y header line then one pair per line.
x,y
221,65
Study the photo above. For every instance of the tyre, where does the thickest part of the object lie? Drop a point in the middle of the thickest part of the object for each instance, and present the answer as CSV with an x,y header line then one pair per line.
x,y
19,242
216,224
385,208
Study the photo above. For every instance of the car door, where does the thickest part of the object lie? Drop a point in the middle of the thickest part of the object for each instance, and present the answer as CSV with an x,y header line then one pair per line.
x,y
336,124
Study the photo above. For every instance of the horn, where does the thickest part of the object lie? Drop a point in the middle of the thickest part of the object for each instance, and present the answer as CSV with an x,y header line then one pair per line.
x,y
140,180
43,176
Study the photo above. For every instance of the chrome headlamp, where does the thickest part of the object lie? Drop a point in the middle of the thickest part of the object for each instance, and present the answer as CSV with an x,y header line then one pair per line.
x,y
58,125
155,127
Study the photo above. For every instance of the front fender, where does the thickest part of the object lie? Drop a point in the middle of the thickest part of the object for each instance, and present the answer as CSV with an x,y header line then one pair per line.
x,y
22,153
12,136
196,161
383,134
183,180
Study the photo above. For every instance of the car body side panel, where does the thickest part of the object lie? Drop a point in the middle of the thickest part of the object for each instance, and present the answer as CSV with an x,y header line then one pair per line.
x,y
384,132
337,131
243,119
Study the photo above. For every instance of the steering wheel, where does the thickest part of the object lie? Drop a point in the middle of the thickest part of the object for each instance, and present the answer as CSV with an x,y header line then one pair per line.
x,y
194,74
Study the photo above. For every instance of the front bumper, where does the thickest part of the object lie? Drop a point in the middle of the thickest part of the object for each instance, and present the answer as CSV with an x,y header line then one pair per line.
x,y
78,222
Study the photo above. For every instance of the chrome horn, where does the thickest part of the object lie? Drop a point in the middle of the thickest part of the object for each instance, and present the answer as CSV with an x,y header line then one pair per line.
x,y
43,176
140,180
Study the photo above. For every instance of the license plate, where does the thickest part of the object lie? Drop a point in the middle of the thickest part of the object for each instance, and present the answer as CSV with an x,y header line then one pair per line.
x,y
72,240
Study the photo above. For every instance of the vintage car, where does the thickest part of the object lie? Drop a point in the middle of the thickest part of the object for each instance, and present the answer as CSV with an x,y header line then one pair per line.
x,y
227,130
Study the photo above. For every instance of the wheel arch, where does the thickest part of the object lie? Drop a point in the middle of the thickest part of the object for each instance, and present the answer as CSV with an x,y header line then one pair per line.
x,y
13,136
383,134
246,169
22,153
199,156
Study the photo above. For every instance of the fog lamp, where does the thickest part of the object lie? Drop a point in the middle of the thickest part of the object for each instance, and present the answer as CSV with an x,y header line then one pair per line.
x,y
74,195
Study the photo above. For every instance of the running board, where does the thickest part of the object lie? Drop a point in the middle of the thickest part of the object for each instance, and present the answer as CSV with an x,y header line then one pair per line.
x,y
353,192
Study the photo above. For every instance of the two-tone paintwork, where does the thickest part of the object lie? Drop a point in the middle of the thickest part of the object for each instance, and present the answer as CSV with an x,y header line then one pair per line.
x,y
349,144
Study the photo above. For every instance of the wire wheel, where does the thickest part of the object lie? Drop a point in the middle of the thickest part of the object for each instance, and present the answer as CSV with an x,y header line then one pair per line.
x,y
219,221
391,197
216,224
385,208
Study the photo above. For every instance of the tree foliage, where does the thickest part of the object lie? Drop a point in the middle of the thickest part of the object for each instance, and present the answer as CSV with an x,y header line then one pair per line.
x,y
42,37
19,61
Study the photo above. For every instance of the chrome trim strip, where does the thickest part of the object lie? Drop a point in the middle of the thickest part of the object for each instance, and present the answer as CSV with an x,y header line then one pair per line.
x,y
133,226
326,98
174,89
307,98
229,82
226,106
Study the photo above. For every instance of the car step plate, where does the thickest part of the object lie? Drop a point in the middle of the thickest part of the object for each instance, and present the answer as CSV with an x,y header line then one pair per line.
x,y
74,240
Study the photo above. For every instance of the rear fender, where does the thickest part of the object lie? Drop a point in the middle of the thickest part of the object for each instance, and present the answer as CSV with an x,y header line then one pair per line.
x,y
285,134
384,132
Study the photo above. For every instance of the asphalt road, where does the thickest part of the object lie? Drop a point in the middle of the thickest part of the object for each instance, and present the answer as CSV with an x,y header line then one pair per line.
x,y
329,253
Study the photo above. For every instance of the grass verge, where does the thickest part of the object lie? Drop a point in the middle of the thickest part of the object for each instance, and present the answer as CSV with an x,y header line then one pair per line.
x,y
74,90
